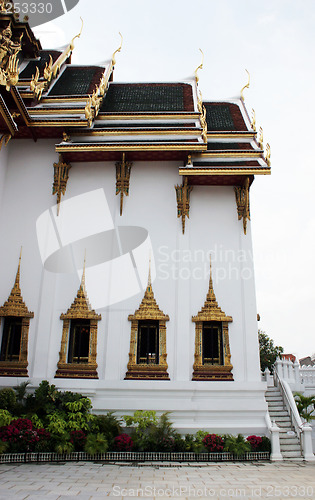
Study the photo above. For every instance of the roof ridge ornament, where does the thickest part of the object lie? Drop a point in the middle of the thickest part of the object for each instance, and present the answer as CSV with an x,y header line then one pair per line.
x,y
117,50
199,67
66,53
245,86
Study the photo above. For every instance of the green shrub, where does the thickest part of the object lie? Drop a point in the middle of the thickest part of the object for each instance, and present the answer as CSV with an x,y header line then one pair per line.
x,y
95,443
78,416
3,447
5,418
7,399
236,445
305,406
56,423
109,425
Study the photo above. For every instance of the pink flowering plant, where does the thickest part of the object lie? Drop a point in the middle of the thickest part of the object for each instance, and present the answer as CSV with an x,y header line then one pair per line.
x,y
213,443
21,436
255,442
123,442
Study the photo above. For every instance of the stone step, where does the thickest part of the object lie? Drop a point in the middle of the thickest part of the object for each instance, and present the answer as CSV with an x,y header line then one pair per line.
x,y
291,454
287,440
273,398
280,418
278,413
276,404
290,447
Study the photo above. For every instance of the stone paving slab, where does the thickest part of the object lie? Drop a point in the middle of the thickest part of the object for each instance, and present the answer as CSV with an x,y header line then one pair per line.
x,y
157,481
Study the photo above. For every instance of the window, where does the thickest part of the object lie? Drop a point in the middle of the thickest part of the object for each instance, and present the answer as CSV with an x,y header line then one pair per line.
x,y
148,343
11,339
212,343
147,355
79,341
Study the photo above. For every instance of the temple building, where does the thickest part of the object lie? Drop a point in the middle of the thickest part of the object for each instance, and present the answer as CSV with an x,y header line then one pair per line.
x,y
130,202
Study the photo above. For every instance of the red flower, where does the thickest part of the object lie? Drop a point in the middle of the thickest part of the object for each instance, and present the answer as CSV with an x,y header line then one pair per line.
x,y
123,442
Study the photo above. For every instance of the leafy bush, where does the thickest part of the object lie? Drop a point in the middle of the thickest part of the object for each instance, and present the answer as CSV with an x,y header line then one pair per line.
x,y
236,445
5,418
109,425
78,416
265,444
3,447
95,443
7,399
123,442
305,406
213,443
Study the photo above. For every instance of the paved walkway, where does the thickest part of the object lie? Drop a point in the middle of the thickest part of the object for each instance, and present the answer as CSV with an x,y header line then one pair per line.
x,y
95,481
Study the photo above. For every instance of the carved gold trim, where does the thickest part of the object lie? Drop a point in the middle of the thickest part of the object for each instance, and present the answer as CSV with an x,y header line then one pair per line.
x,y
62,148
148,310
61,176
123,169
202,117
80,309
242,202
268,154
253,120
55,111
5,139
261,138
16,307
212,312
183,201
221,171
245,153
9,71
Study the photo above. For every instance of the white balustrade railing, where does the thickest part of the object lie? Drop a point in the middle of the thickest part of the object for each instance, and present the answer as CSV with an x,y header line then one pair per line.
x,y
307,374
283,375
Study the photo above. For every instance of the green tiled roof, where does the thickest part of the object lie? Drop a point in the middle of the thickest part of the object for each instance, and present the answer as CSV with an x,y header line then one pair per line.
x,y
144,97
222,145
219,117
30,68
74,81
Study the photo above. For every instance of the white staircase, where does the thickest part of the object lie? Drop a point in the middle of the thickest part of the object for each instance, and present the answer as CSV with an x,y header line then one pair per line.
x,y
289,442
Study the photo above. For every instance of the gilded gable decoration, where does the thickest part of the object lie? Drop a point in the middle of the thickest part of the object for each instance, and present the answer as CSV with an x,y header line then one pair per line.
x,y
61,176
148,322
80,314
183,201
9,73
123,170
14,344
212,347
242,202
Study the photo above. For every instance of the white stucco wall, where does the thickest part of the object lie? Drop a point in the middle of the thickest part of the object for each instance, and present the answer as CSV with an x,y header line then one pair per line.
x,y
180,287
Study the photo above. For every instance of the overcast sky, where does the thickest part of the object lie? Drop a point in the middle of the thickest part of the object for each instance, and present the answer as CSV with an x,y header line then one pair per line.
x,y
275,41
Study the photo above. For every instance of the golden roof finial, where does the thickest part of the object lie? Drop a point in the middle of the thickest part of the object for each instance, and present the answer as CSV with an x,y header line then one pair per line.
x,y
76,36
18,272
199,67
245,86
117,50
149,276
211,294
82,286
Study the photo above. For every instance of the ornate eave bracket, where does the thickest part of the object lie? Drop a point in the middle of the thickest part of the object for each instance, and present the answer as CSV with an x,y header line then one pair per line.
x,y
242,202
183,201
61,176
9,71
123,170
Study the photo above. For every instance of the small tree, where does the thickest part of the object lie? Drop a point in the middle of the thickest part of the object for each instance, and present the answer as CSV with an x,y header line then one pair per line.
x,y
268,351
